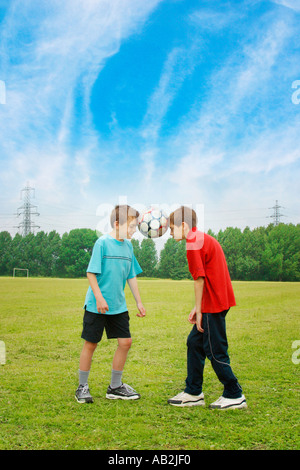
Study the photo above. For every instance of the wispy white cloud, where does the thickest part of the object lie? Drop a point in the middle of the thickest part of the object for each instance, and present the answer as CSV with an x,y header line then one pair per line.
x,y
272,150
51,55
236,91
237,141
292,4
215,20
179,64
176,68
196,164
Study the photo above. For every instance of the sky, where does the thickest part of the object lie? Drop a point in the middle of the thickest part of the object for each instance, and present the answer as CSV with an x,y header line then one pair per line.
x,y
157,102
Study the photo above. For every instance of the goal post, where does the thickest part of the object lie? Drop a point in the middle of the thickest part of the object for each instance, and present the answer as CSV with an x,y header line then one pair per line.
x,y
20,269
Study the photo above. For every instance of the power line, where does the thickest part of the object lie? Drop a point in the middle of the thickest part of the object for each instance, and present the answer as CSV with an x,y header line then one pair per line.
x,y
27,210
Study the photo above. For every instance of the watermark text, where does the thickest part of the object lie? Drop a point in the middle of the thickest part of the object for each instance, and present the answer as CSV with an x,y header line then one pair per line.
x,y
296,354
2,353
104,211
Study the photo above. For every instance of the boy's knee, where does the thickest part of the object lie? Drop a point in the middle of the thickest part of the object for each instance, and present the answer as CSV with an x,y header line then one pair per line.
x,y
125,343
90,346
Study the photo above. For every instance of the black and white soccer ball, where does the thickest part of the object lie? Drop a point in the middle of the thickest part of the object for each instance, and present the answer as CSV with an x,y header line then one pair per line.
x,y
153,223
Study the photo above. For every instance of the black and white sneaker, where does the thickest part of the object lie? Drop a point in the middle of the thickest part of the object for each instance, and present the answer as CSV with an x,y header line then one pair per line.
x,y
223,403
124,392
83,395
185,399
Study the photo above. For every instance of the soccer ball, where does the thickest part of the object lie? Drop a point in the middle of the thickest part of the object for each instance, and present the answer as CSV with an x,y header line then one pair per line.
x,y
153,223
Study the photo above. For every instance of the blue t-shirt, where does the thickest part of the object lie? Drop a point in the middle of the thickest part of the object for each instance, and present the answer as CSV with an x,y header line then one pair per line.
x,y
113,262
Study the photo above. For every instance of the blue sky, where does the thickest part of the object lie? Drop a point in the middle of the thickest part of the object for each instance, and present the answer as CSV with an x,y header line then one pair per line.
x,y
163,102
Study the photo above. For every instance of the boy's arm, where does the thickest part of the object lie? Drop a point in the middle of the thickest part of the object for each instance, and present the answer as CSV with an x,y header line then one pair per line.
x,y
135,292
102,306
196,312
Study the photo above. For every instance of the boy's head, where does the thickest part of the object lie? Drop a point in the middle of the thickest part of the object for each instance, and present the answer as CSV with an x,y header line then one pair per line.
x,y
181,221
124,220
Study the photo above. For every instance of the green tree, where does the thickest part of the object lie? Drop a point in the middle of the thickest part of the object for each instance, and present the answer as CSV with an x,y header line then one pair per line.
x,y
137,251
264,253
231,242
247,264
271,262
39,265
75,252
5,248
291,254
14,256
281,259
246,268
173,262
147,258
53,252
22,253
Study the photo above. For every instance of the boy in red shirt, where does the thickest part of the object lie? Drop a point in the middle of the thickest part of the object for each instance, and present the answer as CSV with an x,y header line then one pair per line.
x,y
213,298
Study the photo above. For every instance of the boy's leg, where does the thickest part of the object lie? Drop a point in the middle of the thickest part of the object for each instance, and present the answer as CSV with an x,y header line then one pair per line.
x,y
124,344
119,360
216,346
82,394
116,389
85,361
192,395
195,362
93,326
87,355
118,327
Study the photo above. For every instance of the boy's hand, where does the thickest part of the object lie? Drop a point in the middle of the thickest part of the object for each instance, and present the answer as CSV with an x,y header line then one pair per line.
x,y
199,322
192,316
141,309
196,318
102,306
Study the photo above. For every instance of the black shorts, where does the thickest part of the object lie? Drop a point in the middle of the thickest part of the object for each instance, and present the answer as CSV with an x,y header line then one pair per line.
x,y
116,326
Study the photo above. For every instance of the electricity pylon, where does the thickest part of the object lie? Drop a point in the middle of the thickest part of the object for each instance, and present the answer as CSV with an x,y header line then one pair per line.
x,y
276,214
28,210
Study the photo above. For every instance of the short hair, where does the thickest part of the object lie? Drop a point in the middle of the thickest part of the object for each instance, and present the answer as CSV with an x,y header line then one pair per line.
x,y
122,214
183,214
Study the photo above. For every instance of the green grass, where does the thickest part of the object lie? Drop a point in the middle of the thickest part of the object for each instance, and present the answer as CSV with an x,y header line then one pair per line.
x,y
40,324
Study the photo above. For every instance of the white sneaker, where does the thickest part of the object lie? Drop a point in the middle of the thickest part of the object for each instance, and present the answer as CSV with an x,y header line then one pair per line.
x,y
185,399
229,403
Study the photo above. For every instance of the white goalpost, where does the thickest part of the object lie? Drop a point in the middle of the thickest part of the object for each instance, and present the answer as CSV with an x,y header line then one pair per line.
x,y
20,269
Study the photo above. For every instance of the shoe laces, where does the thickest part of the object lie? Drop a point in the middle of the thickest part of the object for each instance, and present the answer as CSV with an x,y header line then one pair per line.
x,y
85,388
127,387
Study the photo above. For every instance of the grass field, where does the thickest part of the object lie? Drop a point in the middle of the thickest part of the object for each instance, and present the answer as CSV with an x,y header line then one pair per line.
x,y
40,323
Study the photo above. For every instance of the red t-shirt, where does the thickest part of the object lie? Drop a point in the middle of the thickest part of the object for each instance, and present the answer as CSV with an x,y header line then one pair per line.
x,y
206,259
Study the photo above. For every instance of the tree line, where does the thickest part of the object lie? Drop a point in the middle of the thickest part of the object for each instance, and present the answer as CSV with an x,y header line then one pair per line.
x,y
263,254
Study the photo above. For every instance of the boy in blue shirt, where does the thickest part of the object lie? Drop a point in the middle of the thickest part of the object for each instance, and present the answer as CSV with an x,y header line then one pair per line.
x,y
111,265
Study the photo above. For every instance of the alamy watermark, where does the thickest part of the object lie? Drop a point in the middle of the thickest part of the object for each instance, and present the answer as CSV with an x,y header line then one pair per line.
x,y
296,354
2,92
2,353
296,95
104,211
